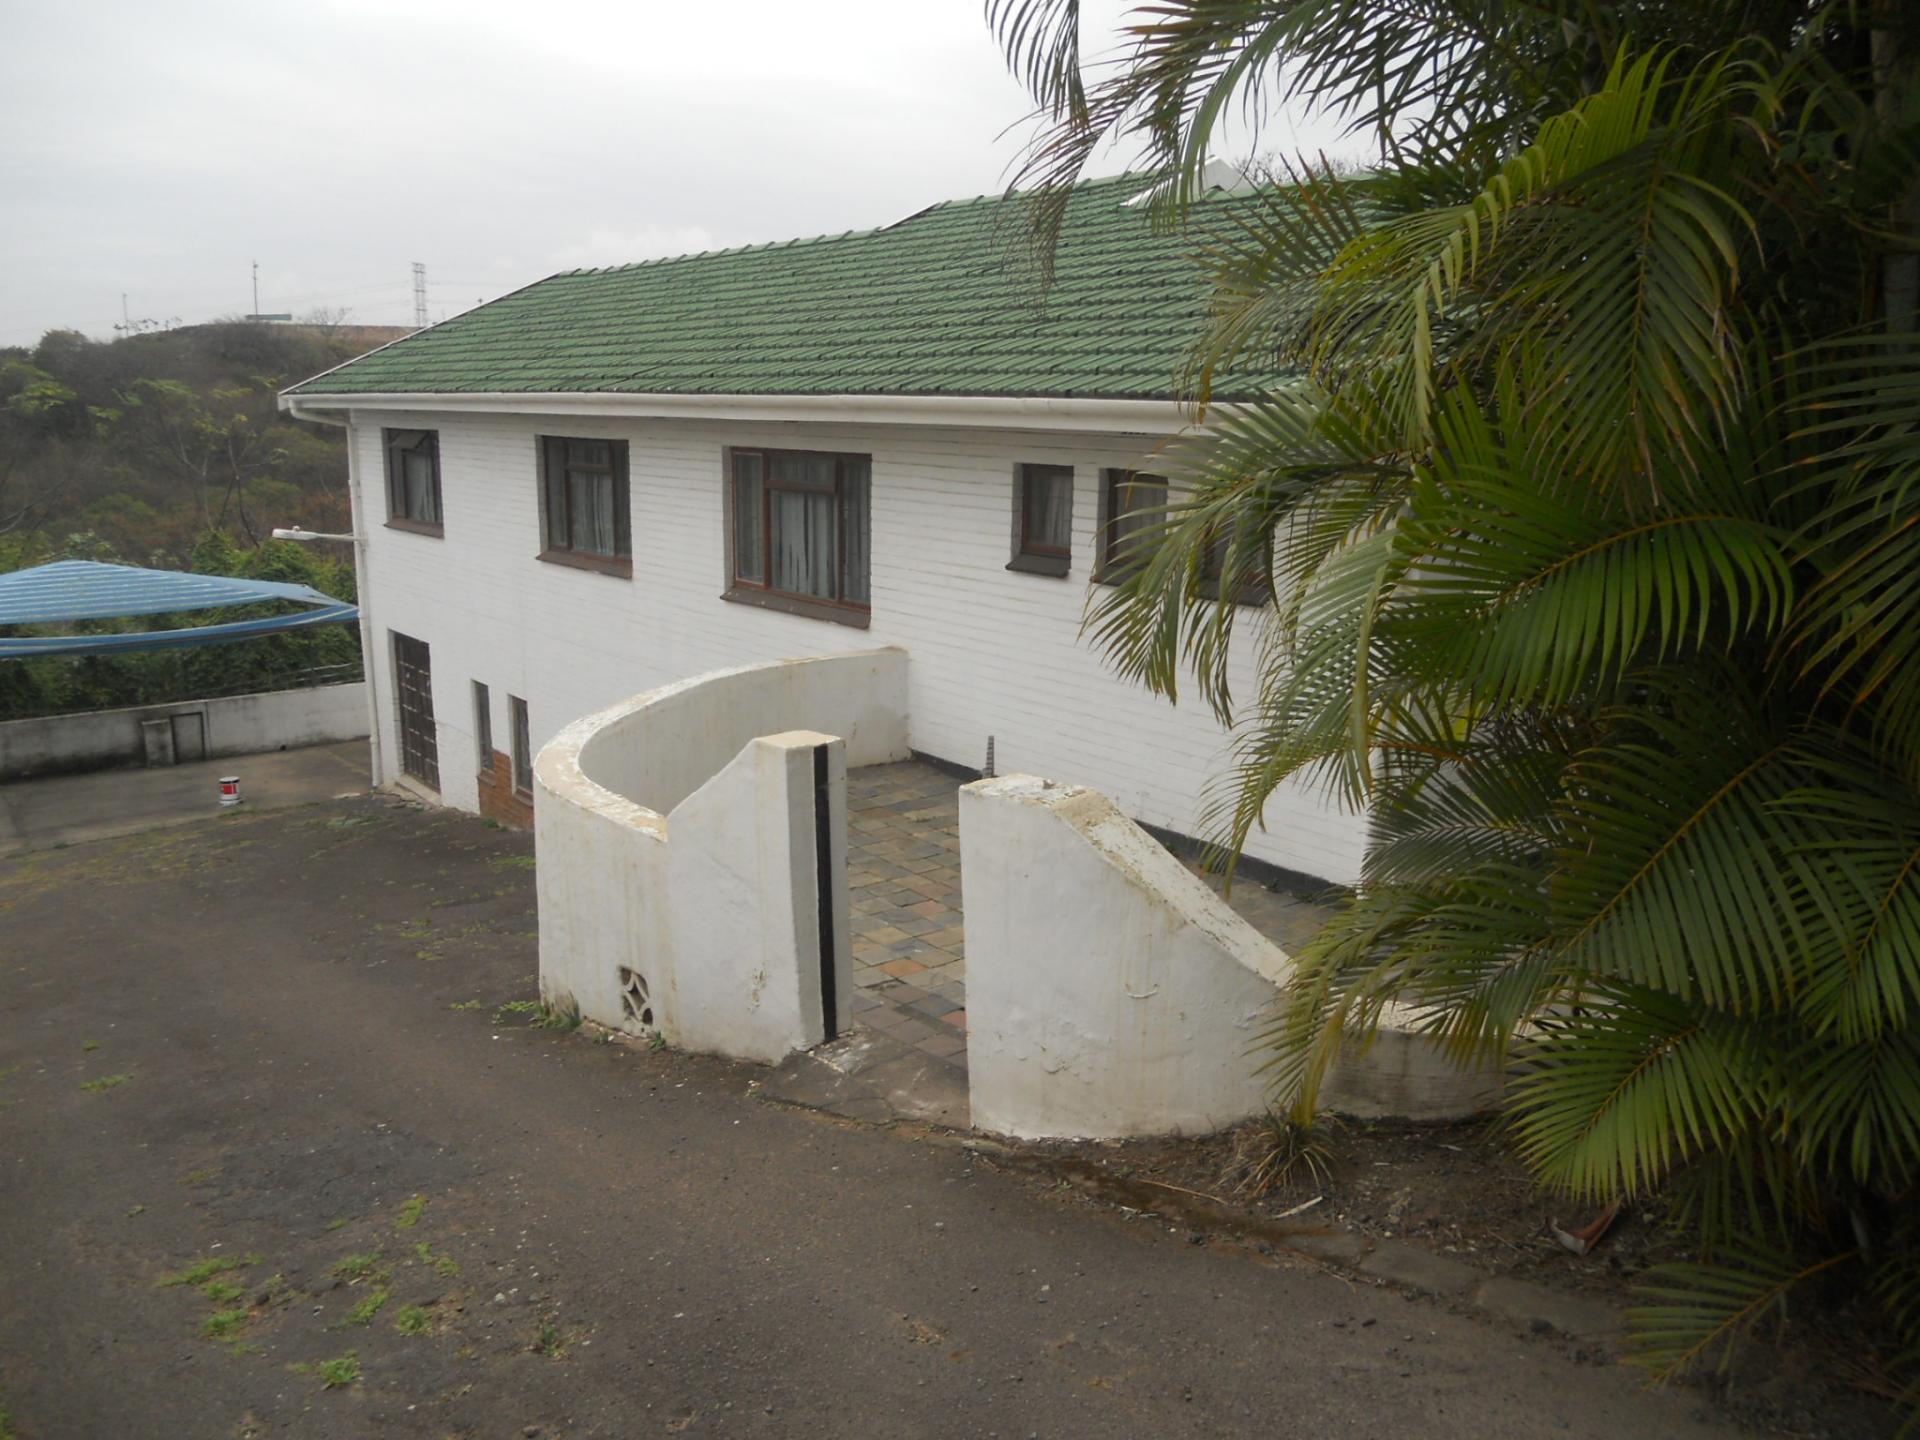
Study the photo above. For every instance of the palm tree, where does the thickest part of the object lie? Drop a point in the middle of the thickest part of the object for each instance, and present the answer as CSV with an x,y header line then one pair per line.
x,y
1592,522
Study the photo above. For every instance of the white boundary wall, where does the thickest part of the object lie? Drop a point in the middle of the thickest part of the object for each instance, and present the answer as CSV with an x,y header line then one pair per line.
x,y
1110,992
233,725
995,652
676,834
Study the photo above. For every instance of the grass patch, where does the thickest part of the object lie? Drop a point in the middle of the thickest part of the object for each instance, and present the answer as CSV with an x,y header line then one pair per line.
x,y
549,1342
223,1324
511,862
548,1018
198,1177
136,1210
442,1264
412,1320
202,1271
359,1267
363,1313
222,1291
89,1045
411,1209
339,1372
105,1082
340,1223
468,1005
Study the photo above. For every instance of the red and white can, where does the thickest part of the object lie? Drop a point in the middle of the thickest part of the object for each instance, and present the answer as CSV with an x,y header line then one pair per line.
x,y
229,789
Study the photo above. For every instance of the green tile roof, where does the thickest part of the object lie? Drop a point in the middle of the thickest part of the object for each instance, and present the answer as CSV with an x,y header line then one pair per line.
x,y
942,303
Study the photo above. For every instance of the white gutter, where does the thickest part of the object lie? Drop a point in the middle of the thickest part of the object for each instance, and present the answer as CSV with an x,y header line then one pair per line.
x,y
361,574
1127,417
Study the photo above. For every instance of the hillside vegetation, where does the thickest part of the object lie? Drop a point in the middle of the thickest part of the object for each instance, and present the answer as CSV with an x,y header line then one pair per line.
x,y
167,450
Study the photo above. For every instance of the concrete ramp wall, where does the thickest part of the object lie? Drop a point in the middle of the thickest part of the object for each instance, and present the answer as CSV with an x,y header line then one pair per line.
x,y
1110,992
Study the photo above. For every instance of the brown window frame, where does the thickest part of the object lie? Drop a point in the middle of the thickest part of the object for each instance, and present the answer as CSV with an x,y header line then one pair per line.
x,y
521,721
555,543
1255,591
1111,569
1030,556
483,726
762,592
396,445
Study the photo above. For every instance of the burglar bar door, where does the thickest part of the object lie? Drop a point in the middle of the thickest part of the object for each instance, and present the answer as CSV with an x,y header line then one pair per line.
x,y
419,749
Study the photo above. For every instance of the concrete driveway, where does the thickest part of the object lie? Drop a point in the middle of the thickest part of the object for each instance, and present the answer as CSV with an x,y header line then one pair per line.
x,y
62,809
282,1154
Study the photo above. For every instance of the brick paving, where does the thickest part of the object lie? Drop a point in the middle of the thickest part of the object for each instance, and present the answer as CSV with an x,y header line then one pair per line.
x,y
903,882
903,879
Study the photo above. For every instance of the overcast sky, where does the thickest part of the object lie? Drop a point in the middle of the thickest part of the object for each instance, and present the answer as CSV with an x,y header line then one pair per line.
x,y
158,148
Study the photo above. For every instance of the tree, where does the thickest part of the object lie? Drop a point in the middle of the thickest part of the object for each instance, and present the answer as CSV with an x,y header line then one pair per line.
x,y
1593,529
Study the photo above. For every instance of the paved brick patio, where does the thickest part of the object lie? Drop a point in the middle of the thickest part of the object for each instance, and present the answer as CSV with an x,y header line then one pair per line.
x,y
903,879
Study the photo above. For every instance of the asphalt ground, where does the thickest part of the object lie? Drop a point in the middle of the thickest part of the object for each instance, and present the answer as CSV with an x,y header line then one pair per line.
x,y
277,1040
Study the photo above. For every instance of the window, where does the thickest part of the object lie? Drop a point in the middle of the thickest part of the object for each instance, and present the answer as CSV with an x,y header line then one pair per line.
x,y
1042,519
797,532
1132,505
413,480
583,504
483,726
1132,509
522,747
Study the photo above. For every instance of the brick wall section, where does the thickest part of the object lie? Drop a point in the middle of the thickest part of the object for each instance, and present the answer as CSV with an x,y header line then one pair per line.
x,y
497,800
994,652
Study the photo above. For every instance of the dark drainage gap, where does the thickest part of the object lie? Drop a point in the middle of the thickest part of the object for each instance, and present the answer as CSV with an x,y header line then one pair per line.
x,y
823,866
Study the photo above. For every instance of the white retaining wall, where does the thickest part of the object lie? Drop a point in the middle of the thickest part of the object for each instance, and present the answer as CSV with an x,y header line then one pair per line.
x,y
995,652
233,724
1110,992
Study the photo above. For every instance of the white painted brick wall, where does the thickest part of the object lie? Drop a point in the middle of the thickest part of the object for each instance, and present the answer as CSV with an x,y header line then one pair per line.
x,y
993,651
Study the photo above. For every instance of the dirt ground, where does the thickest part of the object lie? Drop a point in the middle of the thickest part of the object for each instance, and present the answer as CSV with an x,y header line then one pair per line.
x,y
285,1150
1458,1191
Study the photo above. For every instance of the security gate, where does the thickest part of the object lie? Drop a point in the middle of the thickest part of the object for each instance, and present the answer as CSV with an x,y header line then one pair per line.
x,y
419,747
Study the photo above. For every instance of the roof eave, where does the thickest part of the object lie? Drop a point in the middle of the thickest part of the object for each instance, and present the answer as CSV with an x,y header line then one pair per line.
x,y
998,412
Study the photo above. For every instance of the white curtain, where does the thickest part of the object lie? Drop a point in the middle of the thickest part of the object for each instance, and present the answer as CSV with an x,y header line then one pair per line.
x,y
590,511
805,548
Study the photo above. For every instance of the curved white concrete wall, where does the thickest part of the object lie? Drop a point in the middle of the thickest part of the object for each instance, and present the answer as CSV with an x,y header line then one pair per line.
x,y
1110,992
698,791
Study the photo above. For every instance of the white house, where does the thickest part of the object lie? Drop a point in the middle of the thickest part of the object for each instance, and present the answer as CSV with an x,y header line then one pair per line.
x,y
616,478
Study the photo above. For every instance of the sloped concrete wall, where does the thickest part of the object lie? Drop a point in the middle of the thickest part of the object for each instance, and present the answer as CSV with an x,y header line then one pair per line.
x,y
1110,992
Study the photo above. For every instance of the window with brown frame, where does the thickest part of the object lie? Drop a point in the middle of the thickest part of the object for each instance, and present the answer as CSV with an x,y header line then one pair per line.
x,y
584,512
1132,507
413,480
798,532
522,746
1042,519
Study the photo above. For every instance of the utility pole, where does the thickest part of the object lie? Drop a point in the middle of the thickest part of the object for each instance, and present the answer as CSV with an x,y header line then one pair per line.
x,y
419,295
256,287
126,320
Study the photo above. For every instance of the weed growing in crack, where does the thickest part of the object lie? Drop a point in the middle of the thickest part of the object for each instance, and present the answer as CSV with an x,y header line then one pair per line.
x,y
411,1209
105,1082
